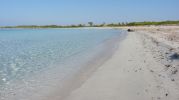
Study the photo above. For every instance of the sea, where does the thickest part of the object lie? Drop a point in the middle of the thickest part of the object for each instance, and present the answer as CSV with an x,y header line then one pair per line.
x,y
35,63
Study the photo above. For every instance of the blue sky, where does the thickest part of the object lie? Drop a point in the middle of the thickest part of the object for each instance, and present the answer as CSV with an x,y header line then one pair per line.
x,y
63,12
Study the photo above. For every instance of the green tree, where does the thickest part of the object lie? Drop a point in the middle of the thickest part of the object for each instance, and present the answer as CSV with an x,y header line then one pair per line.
x,y
90,23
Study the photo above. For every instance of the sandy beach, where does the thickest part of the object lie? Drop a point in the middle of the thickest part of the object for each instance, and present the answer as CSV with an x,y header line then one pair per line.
x,y
89,50
144,67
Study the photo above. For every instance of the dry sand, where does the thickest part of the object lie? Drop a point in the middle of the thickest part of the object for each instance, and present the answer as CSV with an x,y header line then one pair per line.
x,y
141,68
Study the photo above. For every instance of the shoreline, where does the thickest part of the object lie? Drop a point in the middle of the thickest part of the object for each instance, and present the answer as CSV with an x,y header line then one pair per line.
x,y
59,88
138,70
88,68
139,67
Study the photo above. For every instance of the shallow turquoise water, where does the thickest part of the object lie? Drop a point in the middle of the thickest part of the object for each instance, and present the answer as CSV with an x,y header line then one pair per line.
x,y
26,52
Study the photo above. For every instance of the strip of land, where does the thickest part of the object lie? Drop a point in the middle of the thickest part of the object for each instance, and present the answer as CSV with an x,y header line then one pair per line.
x,y
91,24
145,67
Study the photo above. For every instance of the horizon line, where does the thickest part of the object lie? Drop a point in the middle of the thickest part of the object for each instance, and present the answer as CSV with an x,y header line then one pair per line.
x,y
83,23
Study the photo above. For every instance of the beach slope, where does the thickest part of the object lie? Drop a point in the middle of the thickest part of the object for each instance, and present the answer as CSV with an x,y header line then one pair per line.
x,y
138,70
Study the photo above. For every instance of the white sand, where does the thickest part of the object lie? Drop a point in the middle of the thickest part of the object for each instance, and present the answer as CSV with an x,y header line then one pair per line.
x,y
137,71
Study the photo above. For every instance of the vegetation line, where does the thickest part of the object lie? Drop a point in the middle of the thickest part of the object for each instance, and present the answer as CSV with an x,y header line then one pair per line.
x,y
91,24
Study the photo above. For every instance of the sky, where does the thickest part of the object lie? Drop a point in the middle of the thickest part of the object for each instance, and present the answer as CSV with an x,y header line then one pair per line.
x,y
67,12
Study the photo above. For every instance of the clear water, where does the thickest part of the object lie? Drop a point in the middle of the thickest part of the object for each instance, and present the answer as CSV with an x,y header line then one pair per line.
x,y
28,52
